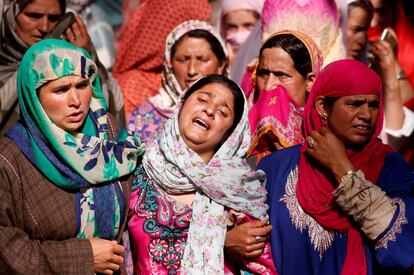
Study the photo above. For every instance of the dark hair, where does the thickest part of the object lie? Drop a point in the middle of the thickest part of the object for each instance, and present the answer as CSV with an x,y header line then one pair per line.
x,y
237,92
366,5
295,48
214,43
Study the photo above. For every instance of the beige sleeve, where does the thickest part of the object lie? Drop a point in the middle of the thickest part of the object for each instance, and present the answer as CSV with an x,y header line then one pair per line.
x,y
369,206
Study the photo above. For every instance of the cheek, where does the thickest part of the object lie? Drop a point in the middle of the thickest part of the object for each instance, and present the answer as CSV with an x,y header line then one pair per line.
x,y
209,67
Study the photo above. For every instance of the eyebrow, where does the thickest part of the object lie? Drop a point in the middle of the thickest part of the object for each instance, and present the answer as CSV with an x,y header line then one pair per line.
x,y
221,102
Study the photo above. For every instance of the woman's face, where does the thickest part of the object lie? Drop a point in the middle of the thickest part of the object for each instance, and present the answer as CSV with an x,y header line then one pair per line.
x,y
357,26
353,118
237,26
193,59
66,101
37,19
205,119
276,68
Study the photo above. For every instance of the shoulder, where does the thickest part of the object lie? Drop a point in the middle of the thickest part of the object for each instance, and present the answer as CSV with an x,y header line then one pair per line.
x,y
284,157
396,174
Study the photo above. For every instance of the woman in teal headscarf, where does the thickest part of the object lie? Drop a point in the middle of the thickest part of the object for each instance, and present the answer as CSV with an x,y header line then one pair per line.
x,y
64,176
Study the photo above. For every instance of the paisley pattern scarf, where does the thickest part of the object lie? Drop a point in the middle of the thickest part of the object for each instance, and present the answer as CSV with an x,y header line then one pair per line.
x,y
226,181
85,161
167,98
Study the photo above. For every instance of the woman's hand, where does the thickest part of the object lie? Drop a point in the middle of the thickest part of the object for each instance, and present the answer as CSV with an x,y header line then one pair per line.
x,y
107,255
384,59
78,35
248,239
329,151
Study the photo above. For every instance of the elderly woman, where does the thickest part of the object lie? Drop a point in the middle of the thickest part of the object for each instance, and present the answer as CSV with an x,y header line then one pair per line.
x,y
193,49
63,172
192,181
289,61
25,22
345,199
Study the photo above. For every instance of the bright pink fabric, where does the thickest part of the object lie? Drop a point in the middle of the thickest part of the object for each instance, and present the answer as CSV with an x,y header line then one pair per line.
x,y
314,189
275,117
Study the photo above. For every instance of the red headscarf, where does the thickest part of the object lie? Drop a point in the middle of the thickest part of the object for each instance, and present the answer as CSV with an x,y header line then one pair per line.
x,y
315,187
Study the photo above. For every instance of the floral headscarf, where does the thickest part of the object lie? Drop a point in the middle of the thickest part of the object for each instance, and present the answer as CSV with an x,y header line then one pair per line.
x,y
80,161
226,181
170,92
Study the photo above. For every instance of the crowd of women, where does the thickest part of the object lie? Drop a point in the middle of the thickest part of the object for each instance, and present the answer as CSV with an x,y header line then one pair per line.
x,y
230,137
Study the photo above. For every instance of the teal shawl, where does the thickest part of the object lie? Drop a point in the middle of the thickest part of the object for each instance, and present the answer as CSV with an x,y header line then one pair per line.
x,y
85,162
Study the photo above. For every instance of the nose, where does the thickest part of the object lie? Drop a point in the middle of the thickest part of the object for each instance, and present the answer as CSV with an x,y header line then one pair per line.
x,y
74,98
365,112
209,109
44,25
271,82
192,68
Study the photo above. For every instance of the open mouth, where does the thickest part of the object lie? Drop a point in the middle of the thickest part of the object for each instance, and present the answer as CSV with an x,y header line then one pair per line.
x,y
200,123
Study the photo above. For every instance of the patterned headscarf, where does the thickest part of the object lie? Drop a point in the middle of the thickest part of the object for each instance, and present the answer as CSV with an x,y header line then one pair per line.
x,y
320,20
80,161
315,189
226,181
170,92
275,117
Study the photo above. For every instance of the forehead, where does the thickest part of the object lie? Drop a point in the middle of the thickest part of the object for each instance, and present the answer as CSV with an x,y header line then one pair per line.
x,y
364,97
240,17
192,44
218,91
46,6
69,79
275,57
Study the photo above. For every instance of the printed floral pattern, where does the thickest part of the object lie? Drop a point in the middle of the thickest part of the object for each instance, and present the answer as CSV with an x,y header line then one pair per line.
x,y
166,222
146,122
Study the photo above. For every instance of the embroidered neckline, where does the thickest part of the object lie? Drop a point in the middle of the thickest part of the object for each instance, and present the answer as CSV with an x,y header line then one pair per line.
x,y
320,238
166,222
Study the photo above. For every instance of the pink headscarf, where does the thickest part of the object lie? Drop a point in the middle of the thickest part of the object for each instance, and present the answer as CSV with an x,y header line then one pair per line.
x,y
320,20
314,189
232,5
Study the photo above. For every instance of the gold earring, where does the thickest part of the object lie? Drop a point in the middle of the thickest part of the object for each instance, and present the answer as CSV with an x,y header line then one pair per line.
x,y
325,117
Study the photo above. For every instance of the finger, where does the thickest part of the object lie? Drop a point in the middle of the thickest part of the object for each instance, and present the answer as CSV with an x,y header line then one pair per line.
x,y
260,231
255,247
107,271
254,224
118,249
81,24
76,30
70,35
316,136
112,266
116,259
323,131
255,254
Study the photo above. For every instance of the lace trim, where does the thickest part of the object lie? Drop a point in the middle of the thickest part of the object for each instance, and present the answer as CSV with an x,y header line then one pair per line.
x,y
321,239
396,228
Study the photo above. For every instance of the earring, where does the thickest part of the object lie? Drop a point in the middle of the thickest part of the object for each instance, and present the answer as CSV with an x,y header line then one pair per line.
x,y
325,119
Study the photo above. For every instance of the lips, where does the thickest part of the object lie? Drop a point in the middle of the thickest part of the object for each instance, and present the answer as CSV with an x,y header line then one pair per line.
x,y
76,117
363,129
201,124
189,82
